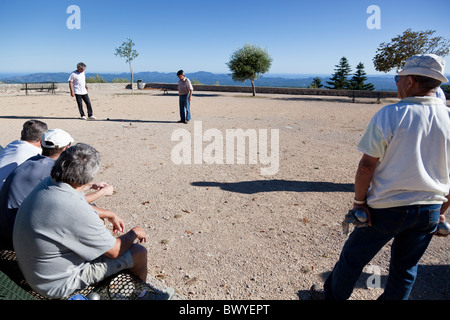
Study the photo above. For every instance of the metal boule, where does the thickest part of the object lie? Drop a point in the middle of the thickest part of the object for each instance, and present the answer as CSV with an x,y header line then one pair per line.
x,y
361,216
443,228
94,296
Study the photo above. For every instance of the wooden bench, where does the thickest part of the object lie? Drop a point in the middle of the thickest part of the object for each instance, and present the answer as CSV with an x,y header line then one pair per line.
x,y
367,94
39,86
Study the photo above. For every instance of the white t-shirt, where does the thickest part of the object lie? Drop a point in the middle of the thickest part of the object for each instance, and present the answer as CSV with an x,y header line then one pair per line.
x,y
412,141
15,153
441,95
79,82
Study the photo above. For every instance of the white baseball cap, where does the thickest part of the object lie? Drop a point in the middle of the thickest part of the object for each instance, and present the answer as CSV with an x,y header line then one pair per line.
x,y
56,138
427,65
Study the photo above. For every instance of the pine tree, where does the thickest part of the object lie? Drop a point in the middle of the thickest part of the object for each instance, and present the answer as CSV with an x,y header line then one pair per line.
x,y
339,78
316,83
358,80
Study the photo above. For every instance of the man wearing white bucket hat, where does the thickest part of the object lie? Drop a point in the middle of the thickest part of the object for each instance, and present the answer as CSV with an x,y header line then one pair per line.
x,y
402,183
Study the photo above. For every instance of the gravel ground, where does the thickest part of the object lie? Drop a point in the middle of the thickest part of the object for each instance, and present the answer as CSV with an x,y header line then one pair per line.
x,y
225,231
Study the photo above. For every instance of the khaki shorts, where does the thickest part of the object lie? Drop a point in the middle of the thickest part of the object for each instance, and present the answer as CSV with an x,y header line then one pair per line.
x,y
103,267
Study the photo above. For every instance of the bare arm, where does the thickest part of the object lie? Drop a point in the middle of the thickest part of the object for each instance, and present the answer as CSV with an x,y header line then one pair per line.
x,y
71,88
364,175
103,189
124,242
117,223
190,91
363,178
444,208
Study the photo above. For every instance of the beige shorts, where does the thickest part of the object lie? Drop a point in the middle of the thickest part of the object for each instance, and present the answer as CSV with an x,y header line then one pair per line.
x,y
103,267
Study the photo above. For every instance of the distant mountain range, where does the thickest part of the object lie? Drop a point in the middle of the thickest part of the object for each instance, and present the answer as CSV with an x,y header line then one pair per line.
x,y
382,83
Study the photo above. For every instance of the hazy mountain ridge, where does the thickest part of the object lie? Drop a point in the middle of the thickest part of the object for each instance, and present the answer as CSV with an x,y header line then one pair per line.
x,y
382,83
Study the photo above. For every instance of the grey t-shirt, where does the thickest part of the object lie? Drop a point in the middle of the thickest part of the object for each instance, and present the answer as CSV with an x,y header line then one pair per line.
x,y
56,234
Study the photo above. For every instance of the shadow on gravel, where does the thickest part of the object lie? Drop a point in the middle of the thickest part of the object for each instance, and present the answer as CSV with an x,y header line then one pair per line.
x,y
432,283
250,187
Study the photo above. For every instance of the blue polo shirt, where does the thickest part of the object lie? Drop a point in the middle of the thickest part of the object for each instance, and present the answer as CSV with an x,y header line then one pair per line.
x,y
17,187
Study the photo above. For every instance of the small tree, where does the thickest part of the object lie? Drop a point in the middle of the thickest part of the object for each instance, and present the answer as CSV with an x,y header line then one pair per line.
x,y
126,51
249,63
316,83
359,78
394,54
339,78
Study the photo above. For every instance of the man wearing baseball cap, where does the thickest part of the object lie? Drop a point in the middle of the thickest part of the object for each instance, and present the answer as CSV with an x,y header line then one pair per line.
x,y
25,177
28,175
402,183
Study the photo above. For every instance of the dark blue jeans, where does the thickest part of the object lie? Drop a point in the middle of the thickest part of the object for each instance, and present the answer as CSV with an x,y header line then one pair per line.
x,y
185,109
84,97
411,227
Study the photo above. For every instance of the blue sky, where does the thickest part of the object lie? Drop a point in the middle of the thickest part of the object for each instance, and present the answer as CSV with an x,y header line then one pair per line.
x,y
303,37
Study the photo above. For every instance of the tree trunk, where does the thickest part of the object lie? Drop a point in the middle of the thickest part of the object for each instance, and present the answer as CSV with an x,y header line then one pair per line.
x,y
131,69
253,88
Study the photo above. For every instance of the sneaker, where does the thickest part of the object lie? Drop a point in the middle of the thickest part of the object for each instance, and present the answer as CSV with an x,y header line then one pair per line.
x,y
83,118
317,292
92,118
181,121
157,294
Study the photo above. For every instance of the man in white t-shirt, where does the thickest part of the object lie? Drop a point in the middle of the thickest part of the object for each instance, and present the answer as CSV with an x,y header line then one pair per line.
x,y
21,150
402,183
79,90
441,95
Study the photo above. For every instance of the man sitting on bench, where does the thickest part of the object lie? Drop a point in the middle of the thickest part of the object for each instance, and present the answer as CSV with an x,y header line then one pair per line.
x,y
61,244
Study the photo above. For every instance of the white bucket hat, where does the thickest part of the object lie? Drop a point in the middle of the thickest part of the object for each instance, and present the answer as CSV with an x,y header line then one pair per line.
x,y
56,138
427,65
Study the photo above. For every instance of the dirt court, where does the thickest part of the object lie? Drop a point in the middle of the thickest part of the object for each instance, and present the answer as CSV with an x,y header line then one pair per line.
x,y
225,231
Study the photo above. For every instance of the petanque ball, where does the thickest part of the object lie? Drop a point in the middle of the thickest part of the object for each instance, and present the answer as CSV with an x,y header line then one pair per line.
x,y
443,228
93,296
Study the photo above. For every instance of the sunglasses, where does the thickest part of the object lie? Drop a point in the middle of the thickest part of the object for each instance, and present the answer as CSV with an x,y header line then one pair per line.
x,y
396,78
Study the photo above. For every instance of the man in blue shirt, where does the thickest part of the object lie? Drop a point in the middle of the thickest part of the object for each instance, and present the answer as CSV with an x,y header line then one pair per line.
x,y
26,176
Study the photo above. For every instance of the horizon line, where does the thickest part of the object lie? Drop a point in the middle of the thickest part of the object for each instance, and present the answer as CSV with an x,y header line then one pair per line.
x,y
168,72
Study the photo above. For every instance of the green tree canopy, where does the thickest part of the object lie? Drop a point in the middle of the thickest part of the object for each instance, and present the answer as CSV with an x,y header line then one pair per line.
x,y
394,54
316,83
359,78
339,78
96,79
119,80
126,51
249,63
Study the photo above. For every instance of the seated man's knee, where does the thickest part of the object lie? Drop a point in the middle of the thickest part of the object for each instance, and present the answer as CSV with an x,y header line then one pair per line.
x,y
138,252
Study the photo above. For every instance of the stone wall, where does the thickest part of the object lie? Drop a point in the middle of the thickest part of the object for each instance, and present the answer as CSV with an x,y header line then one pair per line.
x,y
16,89
274,90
